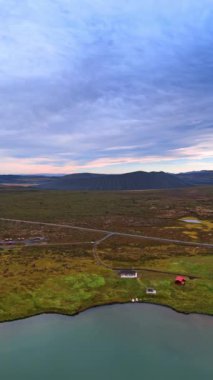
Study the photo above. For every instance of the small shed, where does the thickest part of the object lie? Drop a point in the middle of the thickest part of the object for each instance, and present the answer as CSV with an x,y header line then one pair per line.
x,y
180,280
128,274
151,291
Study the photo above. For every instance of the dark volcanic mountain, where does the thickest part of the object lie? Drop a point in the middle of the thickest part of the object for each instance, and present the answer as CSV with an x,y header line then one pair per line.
x,y
203,177
128,181
89,181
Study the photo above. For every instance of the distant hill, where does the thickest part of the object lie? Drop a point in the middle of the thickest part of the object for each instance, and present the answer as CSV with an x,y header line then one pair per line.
x,y
203,177
21,180
129,181
90,181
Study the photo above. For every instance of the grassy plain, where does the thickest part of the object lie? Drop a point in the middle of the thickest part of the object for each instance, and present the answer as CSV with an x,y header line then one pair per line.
x,y
61,274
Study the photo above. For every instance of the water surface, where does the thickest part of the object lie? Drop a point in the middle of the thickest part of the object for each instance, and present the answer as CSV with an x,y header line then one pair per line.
x,y
109,343
195,221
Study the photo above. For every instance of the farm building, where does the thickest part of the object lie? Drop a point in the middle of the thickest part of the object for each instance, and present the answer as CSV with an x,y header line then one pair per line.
x,y
180,280
128,274
151,291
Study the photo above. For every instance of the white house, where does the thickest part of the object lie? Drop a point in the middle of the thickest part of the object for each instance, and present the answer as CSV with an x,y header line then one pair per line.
x,y
128,274
151,291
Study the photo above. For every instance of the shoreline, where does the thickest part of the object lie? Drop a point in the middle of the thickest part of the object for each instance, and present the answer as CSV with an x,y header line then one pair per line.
x,y
103,305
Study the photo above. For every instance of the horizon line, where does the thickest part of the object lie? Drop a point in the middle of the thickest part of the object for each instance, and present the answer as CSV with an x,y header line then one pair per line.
x,y
119,173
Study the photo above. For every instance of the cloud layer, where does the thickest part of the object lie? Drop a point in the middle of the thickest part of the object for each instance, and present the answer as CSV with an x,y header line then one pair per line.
x,y
106,86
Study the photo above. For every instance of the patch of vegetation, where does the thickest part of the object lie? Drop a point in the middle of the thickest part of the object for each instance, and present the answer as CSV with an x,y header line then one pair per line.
x,y
55,275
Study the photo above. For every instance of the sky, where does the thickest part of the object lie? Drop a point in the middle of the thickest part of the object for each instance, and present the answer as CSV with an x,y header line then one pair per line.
x,y
106,86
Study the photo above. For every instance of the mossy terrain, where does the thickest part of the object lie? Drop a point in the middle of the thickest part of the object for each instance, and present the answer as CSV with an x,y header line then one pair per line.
x,y
60,273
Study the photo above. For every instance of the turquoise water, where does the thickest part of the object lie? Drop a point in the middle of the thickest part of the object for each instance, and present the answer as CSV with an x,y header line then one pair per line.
x,y
114,342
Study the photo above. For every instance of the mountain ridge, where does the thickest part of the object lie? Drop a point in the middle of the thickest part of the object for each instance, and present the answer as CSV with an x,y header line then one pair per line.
x,y
137,180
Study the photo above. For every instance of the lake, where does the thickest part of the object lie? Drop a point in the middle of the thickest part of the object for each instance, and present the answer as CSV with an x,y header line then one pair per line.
x,y
109,343
195,221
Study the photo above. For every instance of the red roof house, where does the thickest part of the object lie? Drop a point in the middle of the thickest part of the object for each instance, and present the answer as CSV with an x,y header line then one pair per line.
x,y
180,280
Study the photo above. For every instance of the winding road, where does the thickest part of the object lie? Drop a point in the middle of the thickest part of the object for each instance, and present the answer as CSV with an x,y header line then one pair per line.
x,y
114,233
109,234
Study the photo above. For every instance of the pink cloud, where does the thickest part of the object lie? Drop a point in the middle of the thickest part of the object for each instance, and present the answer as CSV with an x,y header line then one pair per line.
x,y
41,165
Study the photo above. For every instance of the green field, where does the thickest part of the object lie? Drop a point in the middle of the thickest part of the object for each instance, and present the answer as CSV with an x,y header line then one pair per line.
x,y
61,274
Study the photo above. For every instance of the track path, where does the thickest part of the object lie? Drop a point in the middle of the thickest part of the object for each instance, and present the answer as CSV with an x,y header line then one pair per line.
x,y
109,234
115,233
100,262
